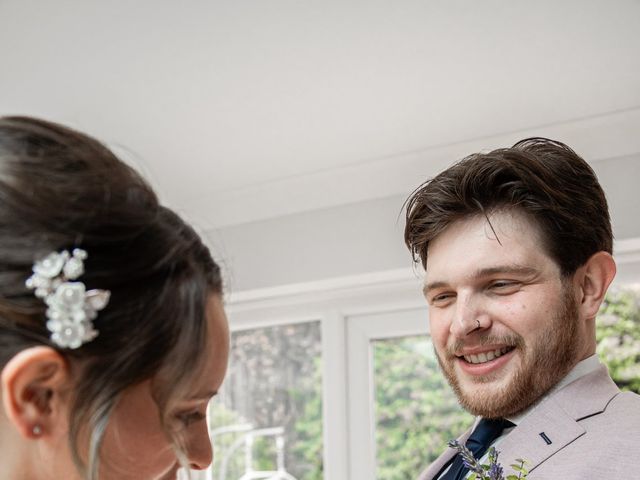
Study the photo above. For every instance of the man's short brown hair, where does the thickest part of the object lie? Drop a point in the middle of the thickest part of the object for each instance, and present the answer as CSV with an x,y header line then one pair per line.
x,y
542,177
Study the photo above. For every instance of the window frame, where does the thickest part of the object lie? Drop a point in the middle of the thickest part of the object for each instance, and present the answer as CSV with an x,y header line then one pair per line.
x,y
332,302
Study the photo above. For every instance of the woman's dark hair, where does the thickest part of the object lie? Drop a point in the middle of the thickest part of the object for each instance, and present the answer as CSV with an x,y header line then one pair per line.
x,y
61,189
543,178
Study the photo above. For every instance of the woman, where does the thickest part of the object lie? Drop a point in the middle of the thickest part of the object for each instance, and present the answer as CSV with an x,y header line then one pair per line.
x,y
113,337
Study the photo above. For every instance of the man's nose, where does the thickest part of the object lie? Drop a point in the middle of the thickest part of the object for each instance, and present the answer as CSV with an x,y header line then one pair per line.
x,y
468,316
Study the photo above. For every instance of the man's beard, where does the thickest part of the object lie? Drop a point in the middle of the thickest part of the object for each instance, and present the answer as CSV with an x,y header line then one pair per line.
x,y
544,364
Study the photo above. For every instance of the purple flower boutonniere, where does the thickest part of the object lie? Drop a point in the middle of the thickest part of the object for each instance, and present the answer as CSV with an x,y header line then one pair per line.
x,y
492,470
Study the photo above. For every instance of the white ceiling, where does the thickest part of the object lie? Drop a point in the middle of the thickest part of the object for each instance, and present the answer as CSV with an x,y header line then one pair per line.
x,y
239,110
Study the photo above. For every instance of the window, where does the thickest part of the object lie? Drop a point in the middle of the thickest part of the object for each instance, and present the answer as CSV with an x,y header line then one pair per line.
x,y
416,413
267,421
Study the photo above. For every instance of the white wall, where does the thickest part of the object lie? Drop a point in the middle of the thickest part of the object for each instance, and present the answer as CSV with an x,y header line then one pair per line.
x,y
620,178
334,242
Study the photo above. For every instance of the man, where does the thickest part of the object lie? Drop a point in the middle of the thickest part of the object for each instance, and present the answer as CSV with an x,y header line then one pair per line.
x,y
516,244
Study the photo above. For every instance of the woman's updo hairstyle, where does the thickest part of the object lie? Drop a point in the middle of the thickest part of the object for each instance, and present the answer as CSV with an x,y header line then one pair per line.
x,y
60,189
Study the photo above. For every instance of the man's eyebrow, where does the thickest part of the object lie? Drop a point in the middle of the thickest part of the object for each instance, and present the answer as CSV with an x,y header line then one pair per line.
x,y
486,272
432,286
508,269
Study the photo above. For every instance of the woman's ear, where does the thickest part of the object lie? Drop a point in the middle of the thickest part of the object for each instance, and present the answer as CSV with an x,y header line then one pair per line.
x,y
33,385
594,279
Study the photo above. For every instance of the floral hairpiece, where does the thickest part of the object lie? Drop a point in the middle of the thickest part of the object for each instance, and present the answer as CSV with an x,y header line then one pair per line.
x,y
71,309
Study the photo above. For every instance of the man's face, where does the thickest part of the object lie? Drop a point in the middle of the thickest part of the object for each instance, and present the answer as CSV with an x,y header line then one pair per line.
x,y
504,324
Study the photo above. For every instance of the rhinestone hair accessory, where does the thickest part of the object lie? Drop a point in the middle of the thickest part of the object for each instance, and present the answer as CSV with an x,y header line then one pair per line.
x,y
71,309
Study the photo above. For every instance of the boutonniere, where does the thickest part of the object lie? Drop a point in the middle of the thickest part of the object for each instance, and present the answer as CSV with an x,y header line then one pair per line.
x,y
492,470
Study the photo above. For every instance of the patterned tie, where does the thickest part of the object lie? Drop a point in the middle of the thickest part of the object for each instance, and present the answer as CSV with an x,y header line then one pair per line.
x,y
483,436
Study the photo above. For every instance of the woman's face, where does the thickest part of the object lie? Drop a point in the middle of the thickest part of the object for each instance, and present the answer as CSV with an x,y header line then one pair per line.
x,y
136,446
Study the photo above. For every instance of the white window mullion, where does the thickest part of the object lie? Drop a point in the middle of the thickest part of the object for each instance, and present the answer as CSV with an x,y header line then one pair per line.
x,y
334,399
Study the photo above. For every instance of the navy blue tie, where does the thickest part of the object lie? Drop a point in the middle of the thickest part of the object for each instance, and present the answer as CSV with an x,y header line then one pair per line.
x,y
483,436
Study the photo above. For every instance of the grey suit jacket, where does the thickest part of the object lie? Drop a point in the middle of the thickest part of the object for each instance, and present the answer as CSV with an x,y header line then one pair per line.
x,y
594,430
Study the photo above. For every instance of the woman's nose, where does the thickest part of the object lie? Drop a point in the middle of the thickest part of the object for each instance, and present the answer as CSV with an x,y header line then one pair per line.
x,y
200,454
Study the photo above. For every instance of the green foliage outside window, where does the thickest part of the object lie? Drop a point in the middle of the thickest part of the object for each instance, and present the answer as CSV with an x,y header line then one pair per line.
x,y
618,336
416,411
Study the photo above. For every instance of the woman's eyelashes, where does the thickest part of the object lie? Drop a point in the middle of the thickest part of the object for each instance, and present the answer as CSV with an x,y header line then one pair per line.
x,y
190,417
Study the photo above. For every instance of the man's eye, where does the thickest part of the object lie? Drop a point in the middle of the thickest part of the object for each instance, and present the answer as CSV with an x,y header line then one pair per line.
x,y
505,286
188,418
441,298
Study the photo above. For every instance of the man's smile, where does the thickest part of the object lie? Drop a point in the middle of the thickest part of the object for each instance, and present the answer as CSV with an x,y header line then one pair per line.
x,y
486,362
485,356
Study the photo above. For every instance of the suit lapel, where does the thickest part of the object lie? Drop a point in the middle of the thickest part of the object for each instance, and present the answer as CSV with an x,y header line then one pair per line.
x,y
539,436
553,424
556,418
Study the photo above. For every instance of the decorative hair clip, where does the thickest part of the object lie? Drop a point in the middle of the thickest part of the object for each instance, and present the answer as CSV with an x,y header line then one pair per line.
x,y
71,308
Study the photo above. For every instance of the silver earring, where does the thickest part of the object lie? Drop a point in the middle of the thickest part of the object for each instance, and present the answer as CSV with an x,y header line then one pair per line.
x,y
36,430
478,322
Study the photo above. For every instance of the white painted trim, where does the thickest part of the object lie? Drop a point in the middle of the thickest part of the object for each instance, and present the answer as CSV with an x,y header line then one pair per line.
x,y
334,399
325,285
361,410
377,291
361,331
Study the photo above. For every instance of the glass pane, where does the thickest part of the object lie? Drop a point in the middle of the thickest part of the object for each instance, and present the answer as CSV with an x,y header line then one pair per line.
x,y
268,416
416,413
618,336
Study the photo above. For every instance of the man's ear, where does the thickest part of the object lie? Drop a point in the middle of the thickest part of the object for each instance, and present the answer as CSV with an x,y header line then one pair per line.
x,y
33,385
594,278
